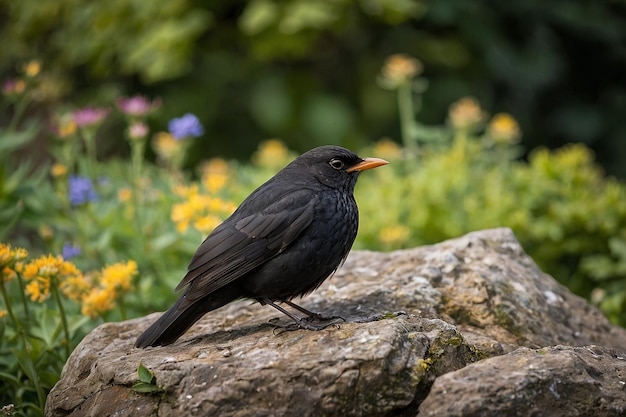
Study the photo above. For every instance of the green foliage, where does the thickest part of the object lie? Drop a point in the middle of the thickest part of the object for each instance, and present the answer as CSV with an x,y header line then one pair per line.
x,y
568,216
217,59
147,382
153,40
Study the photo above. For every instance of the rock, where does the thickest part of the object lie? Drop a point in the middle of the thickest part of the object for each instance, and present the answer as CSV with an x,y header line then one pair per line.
x,y
550,382
413,318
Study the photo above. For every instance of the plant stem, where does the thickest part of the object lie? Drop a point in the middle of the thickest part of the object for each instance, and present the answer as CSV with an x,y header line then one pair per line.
x,y
89,136
137,153
23,297
20,107
138,148
66,330
5,297
41,397
407,114
122,305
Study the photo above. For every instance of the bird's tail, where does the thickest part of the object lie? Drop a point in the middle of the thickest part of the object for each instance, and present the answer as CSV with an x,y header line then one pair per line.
x,y
175,321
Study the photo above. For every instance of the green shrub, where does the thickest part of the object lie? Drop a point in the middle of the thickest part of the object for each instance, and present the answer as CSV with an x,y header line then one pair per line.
x,y
448,181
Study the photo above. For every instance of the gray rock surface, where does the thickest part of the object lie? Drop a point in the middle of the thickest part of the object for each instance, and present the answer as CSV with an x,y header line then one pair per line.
x,y
434,314
554,381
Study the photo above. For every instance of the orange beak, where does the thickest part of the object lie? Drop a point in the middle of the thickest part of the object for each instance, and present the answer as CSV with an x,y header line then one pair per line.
x,y
367,163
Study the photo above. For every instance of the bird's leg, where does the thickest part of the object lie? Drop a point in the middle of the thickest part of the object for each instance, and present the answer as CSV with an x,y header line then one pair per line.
x,y
302,323
316,316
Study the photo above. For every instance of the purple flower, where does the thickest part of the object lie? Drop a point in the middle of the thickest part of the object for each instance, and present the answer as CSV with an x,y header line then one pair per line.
x,y
80,190
90,116
70,251
137,105
185,127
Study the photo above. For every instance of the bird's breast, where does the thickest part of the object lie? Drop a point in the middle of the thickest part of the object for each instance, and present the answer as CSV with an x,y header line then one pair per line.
x,y
313,256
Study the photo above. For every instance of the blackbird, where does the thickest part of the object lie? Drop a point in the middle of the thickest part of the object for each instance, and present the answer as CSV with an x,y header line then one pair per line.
x,y
282,242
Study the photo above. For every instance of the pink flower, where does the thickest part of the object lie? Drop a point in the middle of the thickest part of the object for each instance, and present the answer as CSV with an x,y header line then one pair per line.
x,y
13,87
90,116
137,105
137,130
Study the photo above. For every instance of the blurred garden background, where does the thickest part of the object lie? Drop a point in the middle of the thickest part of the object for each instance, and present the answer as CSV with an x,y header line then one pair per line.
x,y
129,129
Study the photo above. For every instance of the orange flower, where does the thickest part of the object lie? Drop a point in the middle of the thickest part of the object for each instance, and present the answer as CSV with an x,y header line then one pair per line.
x,y
466,113
400,68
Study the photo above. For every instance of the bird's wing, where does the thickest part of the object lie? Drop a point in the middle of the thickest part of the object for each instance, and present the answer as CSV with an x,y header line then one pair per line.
x,y
238,246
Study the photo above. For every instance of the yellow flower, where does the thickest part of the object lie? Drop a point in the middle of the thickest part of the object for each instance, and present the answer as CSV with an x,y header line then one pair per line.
x,y
165,145
58,170
3,313
98,301
186,191
206,224
214,182
11,260
75,287
124,194
38,289
466,114
32,68
214,174
118,276
201,211
8,274
271,153
46,232
181,214
67,269
9,256
394,234
215,166
67,128
400,68
388,149
41,271
503,128
6,255
111,282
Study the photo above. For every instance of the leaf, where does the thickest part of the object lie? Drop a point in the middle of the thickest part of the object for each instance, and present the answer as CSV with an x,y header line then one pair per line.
x,y
258,16
145,375
9,378
146,388
26,363
147,381
13,140
165,241
48,326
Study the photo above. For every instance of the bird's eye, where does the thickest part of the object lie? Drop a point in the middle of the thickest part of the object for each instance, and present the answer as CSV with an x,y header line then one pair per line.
x,y
336,164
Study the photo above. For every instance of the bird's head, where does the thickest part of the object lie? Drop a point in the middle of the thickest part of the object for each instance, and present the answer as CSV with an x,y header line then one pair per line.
x,y
334,166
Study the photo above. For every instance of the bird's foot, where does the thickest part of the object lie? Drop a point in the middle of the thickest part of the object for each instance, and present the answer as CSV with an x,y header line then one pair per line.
x,y
313,321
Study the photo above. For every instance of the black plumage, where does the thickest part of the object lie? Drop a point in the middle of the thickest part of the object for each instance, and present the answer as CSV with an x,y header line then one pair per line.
x,y
282,242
